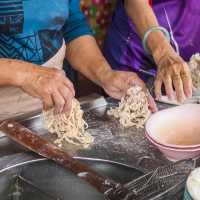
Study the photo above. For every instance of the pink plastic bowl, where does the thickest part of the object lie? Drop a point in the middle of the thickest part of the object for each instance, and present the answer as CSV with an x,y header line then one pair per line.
x,y
176,131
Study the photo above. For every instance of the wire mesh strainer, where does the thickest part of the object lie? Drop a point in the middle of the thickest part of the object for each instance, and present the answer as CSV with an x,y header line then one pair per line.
x,y
163,181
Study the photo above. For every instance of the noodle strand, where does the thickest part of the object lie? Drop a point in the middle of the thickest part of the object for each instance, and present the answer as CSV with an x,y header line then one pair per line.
x,y
133,108
68,127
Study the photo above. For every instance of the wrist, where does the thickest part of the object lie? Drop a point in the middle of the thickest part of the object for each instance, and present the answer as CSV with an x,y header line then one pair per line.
x,y
154,36
23,72
102,73
162,50
156,41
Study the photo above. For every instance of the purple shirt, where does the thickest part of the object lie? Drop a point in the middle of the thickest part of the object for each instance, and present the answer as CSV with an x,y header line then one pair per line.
x,y
123,47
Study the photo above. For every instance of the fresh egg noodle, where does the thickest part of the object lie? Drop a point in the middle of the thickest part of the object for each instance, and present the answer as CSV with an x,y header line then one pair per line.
x,y
69,127
195,69
133,108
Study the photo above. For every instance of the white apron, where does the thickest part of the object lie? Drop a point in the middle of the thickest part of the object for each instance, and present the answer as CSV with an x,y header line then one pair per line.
x,y
14,102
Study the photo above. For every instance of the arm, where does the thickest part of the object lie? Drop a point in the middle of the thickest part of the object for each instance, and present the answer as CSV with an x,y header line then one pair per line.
x,y
11,72
172,70
82,51
143,17
48,84
85,56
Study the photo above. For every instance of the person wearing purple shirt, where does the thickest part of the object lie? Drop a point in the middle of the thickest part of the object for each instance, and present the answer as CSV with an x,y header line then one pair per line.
x,y
135,21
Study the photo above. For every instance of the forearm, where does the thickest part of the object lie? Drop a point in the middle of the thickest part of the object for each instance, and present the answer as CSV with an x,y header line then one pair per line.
x,y
144,18
172,71
12,72
85,56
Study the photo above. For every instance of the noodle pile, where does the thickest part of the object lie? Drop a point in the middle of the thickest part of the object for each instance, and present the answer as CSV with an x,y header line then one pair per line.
x,y
133,108
195,69
69,127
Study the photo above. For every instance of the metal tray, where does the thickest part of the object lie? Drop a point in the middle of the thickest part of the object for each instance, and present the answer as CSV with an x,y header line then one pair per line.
x,y
112,142
34,178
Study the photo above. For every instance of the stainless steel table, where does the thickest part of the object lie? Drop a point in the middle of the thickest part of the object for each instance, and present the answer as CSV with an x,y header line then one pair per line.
x,y
112,142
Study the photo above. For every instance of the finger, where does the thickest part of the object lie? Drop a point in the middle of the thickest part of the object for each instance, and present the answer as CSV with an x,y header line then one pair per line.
x,y
158,84
69,84
178,85
152,105
47,102
168,87
68,96
59,101
187,83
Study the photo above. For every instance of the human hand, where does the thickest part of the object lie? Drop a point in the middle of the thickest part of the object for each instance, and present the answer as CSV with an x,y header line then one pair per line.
x,y
174,73
51,86
116,84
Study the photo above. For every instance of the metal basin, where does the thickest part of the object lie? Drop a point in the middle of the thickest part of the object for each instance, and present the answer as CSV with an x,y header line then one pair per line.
x,y
25,176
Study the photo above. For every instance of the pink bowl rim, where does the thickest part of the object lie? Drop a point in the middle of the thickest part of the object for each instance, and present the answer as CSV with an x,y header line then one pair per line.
x,y
172,146
167,145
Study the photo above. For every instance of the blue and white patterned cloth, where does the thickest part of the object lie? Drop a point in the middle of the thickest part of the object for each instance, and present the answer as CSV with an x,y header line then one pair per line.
x,y
33,30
